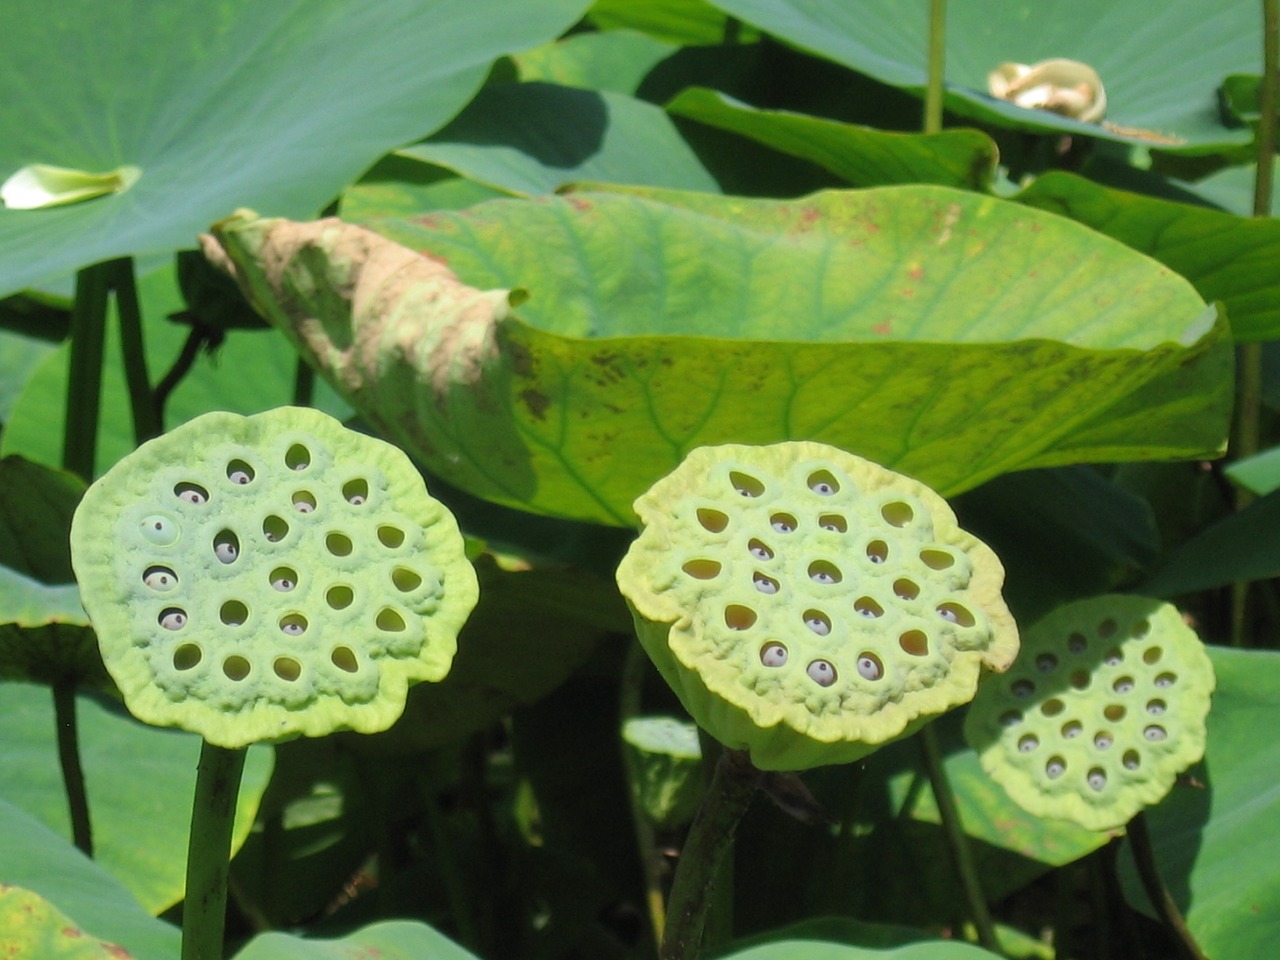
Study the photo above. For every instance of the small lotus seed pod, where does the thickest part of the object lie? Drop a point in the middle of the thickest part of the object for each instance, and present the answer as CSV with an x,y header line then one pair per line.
x,y
665,761
807,605
1103,709
266,577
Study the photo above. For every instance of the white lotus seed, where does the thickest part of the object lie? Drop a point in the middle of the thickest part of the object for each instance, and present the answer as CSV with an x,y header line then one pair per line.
x,y
1055,768
773,655
173,619
869,667
160,578
822,673
764,584
1028,742
226,551
1097,779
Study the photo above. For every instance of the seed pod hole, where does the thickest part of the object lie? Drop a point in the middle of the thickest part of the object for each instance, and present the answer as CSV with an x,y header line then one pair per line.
x,y
293,624
339,597
191,493
187,656
1151,655
713,521
759,550
1046,662
1114,712
869,666
897,514
1140,629
1131,760
1165,680
297,457
173,618
818,622
1156,707
161,579
823,483
356,492
304,502
1080,679
833,522
1072,729
236,667
344,659
782,523
1076,643
877,551
284,579
1123,685
738,617
773,655
702,569
936,559
1097,779
1055,767
1103,740
868,608
764,584
275,529
1108,628
159,530
1114,657
906,589
955,613
822,673
914,642
390,536
233,613
338,544
1154,732
1022,688
821,571
745,485
390,620
1010,718
1052,707
1028,742
226,546
405,580
239,472
286,668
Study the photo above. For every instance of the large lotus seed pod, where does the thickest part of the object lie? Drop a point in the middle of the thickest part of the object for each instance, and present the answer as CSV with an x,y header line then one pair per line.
x,y
807,605
1103,709
259,578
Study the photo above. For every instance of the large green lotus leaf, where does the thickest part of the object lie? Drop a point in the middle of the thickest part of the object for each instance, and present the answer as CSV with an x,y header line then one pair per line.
x,y
388,940
616,60
30,926
35,859
1213,836
530,138
675,21
860,155
19,357
219,104
139,781
1227,257
949,336
1161,73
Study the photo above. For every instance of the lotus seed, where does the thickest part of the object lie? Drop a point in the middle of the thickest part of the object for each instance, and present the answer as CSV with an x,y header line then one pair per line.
x,y
1097,779
1123,685
275,529
283,579
226,547
160,530
173,619
160,578
759,550
1028,742
1010,718
954,613
1046,662
746,486
1022,689
765,584
823,484
1076,643
823,572
1155,707
298,457
1165,680
1140,629
1072,729
191,493
817,622
304,502
877,551
868,608
1103,741
1107,628
239,472
773,655
1131,760
1154,733
1055,768
833,522
822,673
1113,658
294,625
869,667
783,523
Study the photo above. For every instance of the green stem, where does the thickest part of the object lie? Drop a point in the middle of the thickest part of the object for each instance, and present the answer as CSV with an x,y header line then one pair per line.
x,y
709,841
204,914
937,66
146,421
629,704
1266,142
64,718
953,828
84,371
1144,858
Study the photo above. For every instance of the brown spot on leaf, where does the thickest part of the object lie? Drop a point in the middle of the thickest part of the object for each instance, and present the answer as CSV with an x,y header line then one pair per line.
x,y
536,402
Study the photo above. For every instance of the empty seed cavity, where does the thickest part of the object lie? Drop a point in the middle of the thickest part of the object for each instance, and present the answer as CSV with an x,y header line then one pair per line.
x,y
823,483
869,666
390,620
159,530
355,492
868,608
226,546
822,673
284,579
239,472
1097,779
1123,685
773,655
160,578
1154,732
897,514
304,502
818,622
275,529
765,584
344,658
1052,707
782,523
297,457
1151,655
1055,767
1072,729
936,559
914,642
191,493
1114,712
293,624
338,544
1165,680
1076,643
1108,628
833,522
877,551
1046,662
738,617
286,668
1022,688
713,521
702,569
1028,742
236,667
745,485
955,613
906,589
1156,707
405,580
1080,679
1103,740
233,613
339,596
172,618
390,536
1140,629
759,550
821,571
187,656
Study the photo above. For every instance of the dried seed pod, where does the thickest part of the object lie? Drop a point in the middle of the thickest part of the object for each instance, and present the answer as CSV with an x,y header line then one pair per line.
x,y
1115,691
831,606
241,626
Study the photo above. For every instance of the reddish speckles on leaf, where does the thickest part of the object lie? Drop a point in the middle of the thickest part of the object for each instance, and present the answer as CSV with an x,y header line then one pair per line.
x,y
916,273
908,292
582,206
884,328
73,932
115,950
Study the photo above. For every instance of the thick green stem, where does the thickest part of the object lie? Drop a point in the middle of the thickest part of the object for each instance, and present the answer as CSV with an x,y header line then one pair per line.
x,y
1144,858
709,841
937,66
953,828
146,420
204,914
64,718
84,372
1266,145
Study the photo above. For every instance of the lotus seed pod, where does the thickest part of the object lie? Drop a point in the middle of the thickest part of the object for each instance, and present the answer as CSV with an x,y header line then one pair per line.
x,y
807,605
665,760
265,577
1105,706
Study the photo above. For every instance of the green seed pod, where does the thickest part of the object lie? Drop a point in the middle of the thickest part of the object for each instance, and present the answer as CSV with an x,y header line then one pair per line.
x,y
1105,706
259,578
665,761
807,605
